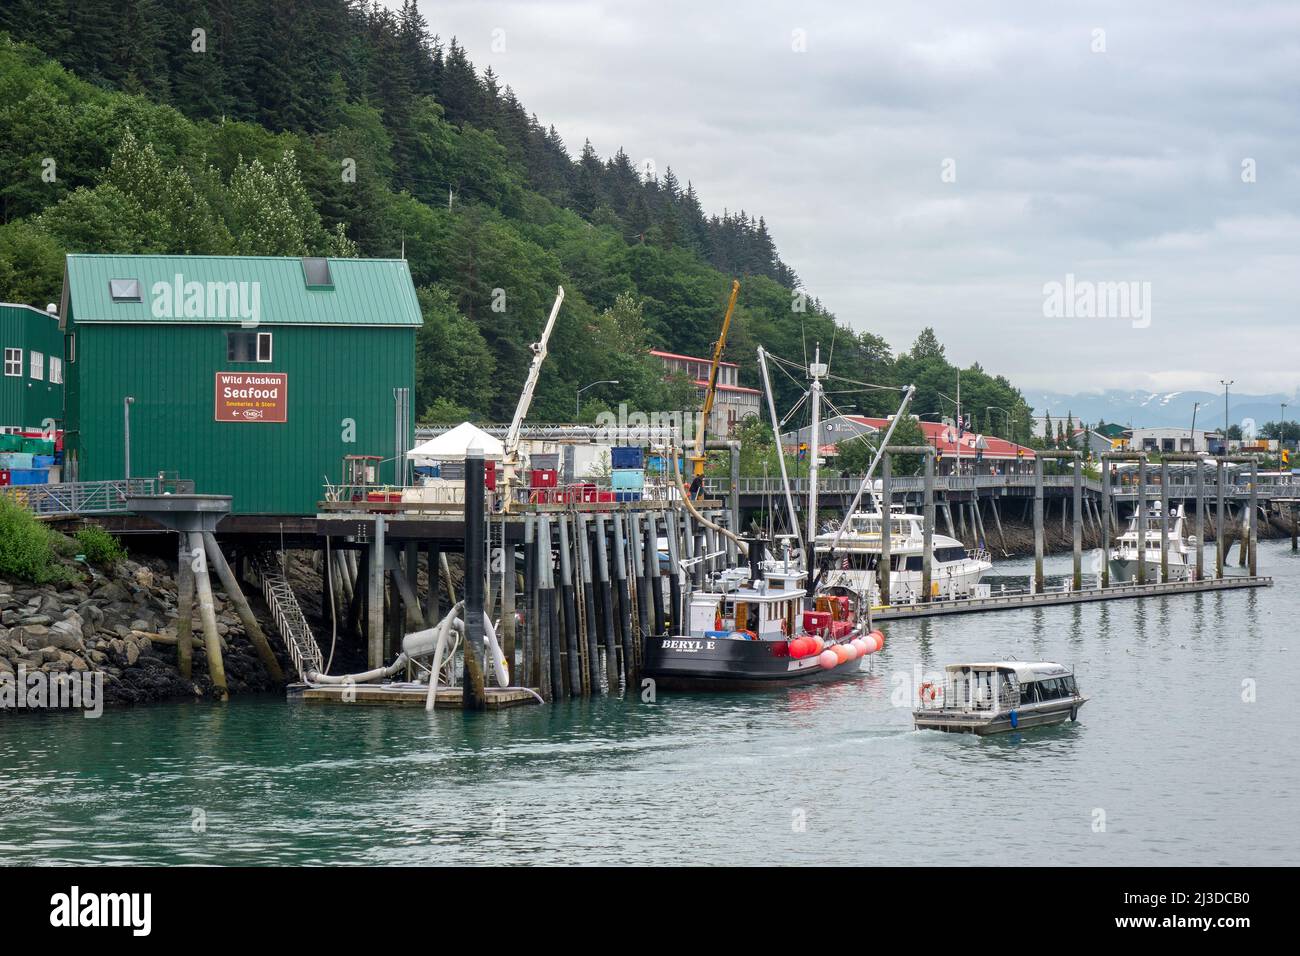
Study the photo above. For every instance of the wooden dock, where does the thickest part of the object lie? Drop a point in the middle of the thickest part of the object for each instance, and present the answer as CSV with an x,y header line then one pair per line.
x,y
1012,602
405,695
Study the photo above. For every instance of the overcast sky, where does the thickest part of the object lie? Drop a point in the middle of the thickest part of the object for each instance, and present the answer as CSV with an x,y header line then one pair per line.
x,y
1115,157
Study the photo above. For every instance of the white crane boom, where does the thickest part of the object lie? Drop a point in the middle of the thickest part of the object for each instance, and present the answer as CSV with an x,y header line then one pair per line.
x,y
510,456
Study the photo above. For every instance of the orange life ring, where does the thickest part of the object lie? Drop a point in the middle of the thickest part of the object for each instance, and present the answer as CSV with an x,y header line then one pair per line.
x,y
932,687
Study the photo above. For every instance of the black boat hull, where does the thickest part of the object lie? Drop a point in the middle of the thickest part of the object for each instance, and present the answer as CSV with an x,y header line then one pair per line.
x,y
695,663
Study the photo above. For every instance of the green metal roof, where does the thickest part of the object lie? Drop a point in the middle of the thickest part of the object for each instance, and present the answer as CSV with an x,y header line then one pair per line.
x,y
236,289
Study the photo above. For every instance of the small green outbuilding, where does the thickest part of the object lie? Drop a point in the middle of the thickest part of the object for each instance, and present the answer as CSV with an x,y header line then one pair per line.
x,y
31,388
251,376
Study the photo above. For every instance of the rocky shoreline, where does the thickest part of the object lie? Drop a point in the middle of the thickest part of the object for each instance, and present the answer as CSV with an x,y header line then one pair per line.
x,y
121,624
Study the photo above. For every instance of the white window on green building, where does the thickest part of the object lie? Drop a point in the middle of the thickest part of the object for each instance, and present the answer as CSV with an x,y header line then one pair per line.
x,y
56,370
13,362
38,366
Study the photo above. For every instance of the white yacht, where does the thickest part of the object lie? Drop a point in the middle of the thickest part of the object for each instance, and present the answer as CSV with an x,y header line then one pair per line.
x,y
955,570
1126,554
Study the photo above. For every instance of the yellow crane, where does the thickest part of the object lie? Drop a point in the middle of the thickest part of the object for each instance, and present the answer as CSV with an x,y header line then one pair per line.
x,y
698,457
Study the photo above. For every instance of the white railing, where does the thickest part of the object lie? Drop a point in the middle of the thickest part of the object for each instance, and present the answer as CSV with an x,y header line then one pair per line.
x,y
292,623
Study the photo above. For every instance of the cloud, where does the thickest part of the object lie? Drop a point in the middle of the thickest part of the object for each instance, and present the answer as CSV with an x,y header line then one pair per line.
x,y
1119,165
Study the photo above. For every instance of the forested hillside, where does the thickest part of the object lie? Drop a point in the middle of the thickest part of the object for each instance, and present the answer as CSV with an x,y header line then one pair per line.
x,y
278,128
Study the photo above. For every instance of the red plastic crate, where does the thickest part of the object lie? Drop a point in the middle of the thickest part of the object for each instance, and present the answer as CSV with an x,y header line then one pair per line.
x,y
543,478
814,621
605,497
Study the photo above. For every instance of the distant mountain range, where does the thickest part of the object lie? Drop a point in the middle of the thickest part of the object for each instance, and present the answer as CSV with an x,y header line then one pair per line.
x,y
1152,409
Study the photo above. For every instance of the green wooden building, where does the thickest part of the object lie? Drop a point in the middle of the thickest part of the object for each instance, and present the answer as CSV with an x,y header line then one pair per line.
x,y
251,376
31,388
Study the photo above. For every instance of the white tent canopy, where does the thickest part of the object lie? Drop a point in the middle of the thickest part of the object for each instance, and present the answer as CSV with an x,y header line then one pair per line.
x,y
452,445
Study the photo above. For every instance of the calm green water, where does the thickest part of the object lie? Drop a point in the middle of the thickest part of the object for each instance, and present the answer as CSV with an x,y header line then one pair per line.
x,y
1184,770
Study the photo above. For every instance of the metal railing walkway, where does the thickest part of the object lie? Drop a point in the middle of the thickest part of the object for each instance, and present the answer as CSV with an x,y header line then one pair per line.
x,y
72,498
292,623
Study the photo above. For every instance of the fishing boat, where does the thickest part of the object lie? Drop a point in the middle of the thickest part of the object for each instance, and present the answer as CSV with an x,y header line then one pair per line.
x,y
955,569
997,697
1129,552
748,628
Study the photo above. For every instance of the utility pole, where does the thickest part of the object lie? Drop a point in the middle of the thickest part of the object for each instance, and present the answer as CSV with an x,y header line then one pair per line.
x,y
1191,435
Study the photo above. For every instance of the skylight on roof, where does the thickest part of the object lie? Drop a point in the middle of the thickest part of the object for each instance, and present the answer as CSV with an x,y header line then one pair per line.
x,y
317,273
124,290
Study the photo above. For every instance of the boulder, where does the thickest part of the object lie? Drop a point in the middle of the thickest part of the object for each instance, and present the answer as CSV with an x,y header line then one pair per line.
x,y
38,636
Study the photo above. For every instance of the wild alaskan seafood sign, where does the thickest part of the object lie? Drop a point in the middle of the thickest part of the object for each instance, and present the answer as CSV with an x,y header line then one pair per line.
x,y
252,396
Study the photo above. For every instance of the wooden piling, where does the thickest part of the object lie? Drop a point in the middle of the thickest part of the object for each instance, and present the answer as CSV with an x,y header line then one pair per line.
x,y
545,605
375,598
1142,521
1077,579
674,582
1254,516
654,575
608,614
1164,522
1038,524
927,531
1220,526
636,549
592,622
508,630
569,600
625,631
474,695
184,606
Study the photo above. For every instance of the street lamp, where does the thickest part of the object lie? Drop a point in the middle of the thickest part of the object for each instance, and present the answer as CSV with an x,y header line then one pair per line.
x,y
577,399
1227,384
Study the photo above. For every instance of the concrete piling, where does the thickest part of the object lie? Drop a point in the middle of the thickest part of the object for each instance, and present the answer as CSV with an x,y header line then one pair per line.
x,y
208,618
252,629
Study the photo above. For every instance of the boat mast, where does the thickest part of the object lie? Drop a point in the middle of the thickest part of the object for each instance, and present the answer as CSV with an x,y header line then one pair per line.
x,y
780,452
866,479
816,371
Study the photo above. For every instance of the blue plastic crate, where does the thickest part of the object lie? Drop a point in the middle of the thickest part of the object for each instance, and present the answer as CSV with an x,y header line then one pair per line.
x,y
29,476
627,479
626,457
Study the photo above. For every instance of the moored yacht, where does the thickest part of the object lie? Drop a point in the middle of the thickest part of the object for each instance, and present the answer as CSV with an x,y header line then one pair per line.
x,y
999,696
1127,554
955,570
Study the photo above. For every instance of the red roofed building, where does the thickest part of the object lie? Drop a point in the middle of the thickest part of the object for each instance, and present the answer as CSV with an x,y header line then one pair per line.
x,y
732,403
980,454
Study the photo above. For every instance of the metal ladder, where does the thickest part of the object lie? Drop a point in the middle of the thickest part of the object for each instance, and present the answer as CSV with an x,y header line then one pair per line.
x,y
289,618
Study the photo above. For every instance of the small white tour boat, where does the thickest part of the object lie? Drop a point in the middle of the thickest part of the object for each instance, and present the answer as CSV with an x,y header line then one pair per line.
x,y
997,697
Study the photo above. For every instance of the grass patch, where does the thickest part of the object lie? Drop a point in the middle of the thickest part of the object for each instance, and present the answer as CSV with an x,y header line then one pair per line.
x,y
100,547
27,547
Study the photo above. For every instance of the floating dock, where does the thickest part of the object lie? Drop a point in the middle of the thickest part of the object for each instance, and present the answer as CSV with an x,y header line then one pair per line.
x,y
407,695
1012,602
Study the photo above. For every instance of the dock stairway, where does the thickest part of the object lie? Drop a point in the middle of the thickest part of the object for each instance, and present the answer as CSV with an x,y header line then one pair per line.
x,y
290,620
